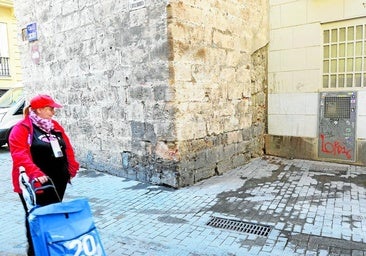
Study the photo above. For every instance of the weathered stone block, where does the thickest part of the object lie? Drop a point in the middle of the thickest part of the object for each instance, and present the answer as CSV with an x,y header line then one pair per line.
x,y
223,166
204,173
240,159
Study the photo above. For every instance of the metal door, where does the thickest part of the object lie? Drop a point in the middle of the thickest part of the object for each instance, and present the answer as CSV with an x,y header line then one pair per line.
x,y
337,125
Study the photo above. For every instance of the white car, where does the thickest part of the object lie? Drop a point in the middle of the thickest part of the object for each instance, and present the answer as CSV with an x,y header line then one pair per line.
x,y
11,111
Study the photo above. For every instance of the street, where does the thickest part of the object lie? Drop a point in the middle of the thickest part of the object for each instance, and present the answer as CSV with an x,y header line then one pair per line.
x,y
308,208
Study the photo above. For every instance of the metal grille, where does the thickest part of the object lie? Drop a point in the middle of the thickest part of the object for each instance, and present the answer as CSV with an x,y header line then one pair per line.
x,y
241,226
337,107
4,66
344,62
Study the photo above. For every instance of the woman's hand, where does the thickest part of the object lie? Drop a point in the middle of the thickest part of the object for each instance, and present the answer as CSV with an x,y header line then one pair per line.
x,y
41,179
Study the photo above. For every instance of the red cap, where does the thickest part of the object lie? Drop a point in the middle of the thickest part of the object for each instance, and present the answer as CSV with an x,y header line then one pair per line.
x,y
42,100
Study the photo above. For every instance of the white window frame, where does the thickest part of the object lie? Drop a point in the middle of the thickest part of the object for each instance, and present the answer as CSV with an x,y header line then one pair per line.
x,y
340,54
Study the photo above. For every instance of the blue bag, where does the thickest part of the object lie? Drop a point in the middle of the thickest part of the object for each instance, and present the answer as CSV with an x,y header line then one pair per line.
x,y
65,228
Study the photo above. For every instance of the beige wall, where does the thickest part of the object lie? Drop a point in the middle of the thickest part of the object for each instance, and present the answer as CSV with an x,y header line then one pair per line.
x,y
212,50
213,47
7,16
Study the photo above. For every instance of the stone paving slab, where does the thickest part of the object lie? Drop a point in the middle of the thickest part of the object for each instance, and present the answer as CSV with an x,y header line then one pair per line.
x,y
313,208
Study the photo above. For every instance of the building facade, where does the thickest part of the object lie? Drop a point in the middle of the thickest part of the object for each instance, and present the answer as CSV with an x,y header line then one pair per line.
x,y
10,68
167,92
317,82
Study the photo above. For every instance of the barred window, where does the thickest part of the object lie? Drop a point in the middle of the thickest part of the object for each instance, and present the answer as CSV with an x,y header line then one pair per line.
x,y
344,55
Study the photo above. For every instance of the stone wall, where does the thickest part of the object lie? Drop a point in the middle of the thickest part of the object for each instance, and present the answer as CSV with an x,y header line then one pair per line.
x,y
220,84
167,92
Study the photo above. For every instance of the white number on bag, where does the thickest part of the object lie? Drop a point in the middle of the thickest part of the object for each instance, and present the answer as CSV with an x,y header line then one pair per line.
x,y
86,245
89,245
78,245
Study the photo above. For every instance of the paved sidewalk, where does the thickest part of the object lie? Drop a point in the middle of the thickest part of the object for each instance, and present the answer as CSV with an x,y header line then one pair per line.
x,y
310,208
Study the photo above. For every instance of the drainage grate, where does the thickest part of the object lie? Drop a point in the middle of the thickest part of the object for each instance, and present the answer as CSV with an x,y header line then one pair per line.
x,y
242,226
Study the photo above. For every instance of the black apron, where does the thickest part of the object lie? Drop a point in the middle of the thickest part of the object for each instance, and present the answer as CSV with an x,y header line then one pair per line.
x,y
54,167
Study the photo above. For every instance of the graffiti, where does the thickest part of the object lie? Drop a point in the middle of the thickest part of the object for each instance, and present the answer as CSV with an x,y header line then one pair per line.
x,y
166,151
335,148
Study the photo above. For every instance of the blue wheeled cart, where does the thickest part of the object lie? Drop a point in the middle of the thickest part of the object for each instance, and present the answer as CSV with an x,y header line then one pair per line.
x,y
64,228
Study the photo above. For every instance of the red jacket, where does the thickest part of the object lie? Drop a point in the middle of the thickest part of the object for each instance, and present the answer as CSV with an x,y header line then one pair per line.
x,y
20,140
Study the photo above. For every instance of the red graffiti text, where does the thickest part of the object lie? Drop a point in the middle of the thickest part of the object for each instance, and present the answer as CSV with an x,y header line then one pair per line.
x,y
335,148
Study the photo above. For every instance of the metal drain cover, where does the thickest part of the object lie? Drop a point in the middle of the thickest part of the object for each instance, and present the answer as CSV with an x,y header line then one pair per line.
x,y
241,226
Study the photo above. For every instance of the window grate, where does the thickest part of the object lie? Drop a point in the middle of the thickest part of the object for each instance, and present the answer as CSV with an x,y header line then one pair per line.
x,y
241,226
337,107
344,51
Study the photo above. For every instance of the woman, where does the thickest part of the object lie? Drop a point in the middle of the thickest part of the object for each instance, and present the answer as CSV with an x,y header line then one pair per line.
x,y
40,145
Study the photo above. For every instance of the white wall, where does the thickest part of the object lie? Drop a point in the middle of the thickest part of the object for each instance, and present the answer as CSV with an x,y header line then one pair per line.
x,y
361,118
295,63
293,114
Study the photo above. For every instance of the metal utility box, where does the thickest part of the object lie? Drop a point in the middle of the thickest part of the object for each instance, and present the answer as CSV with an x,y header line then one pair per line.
x,y
337,126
